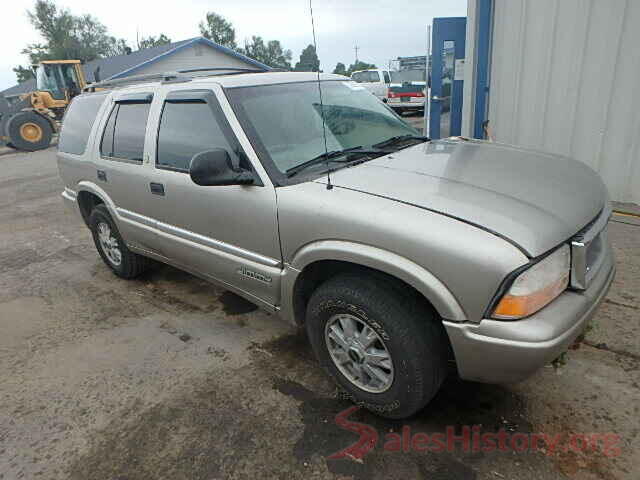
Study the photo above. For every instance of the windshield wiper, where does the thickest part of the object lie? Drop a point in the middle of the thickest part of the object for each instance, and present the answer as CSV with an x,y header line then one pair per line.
x,y
331,156
399,139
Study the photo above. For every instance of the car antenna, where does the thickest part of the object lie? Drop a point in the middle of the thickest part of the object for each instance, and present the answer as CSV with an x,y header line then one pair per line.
x,y
324,129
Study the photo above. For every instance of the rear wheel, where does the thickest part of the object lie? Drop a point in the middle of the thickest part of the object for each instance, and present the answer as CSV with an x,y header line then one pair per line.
x,y
29,131
385,349
111,246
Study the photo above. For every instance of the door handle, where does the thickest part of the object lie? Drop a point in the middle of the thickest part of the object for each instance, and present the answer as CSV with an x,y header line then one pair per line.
x,y
157,188
436,98
102,175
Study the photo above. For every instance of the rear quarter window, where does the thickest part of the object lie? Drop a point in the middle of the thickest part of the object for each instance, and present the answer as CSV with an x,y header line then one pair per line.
x,y
77,123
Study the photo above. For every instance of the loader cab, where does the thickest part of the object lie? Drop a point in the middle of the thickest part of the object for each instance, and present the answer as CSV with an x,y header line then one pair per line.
x,y
62,79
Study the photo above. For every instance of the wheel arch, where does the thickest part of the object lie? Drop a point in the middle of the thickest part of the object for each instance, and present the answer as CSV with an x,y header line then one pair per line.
x,y
88,196
315,263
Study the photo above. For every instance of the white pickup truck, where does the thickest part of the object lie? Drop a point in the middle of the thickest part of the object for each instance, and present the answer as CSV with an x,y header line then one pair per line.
x,y
376,81
400,95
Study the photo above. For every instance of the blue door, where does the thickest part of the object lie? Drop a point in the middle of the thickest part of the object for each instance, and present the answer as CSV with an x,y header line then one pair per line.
x,y
448,43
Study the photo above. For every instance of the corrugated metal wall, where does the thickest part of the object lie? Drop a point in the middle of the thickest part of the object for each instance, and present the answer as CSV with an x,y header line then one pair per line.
x,y
565,77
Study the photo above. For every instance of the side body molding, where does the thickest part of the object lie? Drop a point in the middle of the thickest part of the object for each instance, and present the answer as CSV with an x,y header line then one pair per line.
x,y
404,269
136,232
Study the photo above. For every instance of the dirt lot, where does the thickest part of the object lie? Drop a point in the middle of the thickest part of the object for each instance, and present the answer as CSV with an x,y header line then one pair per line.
x,y
170,377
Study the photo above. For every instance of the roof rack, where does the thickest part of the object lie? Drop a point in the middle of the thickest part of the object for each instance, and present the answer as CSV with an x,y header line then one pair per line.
x,y
170,77
222,69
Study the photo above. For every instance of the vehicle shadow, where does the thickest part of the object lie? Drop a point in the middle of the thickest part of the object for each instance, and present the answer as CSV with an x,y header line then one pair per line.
x,y
458,406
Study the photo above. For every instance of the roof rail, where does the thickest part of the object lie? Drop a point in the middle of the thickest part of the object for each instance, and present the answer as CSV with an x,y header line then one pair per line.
x,y
167,76
222,69
176,76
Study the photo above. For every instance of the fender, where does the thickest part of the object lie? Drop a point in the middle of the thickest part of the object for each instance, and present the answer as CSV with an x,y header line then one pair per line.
x,y
388,262
88,186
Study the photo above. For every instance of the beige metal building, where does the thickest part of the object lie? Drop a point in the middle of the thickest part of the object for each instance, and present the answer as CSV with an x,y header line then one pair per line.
x,y
562,76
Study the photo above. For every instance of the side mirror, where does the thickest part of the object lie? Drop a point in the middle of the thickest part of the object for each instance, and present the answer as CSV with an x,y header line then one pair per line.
x,y
214,167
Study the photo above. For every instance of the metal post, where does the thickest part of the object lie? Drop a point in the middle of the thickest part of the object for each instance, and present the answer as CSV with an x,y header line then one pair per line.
x,y
427,90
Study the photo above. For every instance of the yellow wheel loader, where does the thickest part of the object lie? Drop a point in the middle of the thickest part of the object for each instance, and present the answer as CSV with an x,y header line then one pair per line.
x,y
29,122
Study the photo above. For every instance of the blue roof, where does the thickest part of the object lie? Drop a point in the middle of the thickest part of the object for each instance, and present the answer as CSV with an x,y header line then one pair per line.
x,y
125,65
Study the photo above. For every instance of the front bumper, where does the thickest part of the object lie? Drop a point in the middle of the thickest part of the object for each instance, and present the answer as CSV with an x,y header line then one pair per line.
x,y
495,351
415,103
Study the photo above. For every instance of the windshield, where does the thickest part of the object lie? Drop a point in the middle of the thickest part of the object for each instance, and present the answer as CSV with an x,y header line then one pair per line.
x,y
46,79
286,120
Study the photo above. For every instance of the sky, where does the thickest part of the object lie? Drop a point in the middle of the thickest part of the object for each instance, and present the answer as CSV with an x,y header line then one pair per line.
x,y
382,30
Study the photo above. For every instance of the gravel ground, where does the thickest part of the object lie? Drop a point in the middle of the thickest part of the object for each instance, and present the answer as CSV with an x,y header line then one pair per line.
x,y
170,377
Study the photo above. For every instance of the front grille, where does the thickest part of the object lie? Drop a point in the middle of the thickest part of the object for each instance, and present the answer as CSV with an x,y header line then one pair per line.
x,y
588,249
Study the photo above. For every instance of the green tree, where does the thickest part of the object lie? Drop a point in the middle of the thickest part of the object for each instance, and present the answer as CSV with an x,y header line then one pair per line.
x,y
219,30
340,69
54,26
150,42
309,61
23,73
119,47
360,65
66,36
271,53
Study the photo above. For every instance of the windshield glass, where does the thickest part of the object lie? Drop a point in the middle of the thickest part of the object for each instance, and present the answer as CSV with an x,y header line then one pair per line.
x,y
286,119
46,79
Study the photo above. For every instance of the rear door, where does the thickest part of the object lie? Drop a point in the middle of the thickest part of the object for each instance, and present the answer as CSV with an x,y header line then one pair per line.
x,y
226,233
121,170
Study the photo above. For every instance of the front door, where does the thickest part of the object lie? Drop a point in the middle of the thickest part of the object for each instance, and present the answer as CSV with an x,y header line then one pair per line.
x,y
226,233
447,73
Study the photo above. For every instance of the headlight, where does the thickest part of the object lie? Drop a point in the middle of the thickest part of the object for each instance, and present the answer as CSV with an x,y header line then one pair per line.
x,y
536,286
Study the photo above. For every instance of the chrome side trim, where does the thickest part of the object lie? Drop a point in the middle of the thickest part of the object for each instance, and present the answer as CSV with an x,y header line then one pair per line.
x,y
197,238
136,217
213,243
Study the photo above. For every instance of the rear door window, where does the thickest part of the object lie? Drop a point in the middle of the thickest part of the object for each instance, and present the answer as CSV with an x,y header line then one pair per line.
x,y
124,133
186,128
78,122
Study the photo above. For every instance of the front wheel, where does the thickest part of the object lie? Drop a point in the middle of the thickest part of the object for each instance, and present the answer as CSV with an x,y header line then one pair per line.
x,y
385,349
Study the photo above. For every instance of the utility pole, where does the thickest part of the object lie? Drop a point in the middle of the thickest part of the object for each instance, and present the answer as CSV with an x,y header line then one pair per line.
x,y
356,48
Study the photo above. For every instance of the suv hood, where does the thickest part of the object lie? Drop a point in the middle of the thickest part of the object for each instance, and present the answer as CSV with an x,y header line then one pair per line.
x,y
532,199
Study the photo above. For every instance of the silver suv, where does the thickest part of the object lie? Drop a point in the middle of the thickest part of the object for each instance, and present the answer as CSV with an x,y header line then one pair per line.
x,y
400,256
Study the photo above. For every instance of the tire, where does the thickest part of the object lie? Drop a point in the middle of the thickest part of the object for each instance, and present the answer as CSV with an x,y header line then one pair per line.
x,y
411,333
29,122
130,265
